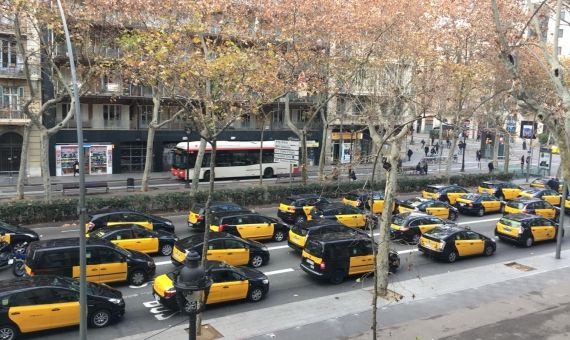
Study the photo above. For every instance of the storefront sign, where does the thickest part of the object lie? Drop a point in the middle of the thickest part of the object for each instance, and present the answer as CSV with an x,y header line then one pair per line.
x,y
346,135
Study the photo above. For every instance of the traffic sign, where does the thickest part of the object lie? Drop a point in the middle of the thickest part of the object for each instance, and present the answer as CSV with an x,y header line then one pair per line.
x,y
286,151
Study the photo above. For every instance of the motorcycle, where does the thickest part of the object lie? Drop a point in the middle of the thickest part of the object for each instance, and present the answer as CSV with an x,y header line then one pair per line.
x,y
16,260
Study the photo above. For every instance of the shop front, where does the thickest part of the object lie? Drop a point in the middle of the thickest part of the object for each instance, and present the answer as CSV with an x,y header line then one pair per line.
x,y
347,147
98,159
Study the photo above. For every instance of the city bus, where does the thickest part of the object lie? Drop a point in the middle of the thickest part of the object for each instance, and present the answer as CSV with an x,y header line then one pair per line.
x,y
233,159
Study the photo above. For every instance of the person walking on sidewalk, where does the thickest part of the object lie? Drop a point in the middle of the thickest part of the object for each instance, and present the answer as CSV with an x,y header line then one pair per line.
x,y
437,147
351,174
423,142
425,167
522,163
75,168
491,167
426,150
478,157
410,153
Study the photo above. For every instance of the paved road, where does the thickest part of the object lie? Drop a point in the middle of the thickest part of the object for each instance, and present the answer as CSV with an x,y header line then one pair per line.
x,y
288,282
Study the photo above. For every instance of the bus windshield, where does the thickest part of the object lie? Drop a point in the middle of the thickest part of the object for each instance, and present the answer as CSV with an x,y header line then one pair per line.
x,y
181,161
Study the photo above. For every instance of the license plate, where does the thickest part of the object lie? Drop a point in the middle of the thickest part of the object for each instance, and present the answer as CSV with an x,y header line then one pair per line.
x,y
506,229
462,204
10,261
310,262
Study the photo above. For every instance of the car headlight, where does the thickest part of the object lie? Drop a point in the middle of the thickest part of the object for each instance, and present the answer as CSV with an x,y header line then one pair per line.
x,y
265,281
116,301
150,263
264,248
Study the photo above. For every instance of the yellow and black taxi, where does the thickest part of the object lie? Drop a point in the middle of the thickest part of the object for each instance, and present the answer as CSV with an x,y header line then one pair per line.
x,y
134,237
106,262
106,218
297,209
551,196
32,304
543,183
299,233
445,193
343,214
18,237
362,199
229,284
479,204
250,226
429,206
197,215
502,190
534,206
335,256
526,229
449,243
410,226
223,247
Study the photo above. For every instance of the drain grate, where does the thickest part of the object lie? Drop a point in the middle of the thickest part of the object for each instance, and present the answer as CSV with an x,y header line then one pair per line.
x,y
519,266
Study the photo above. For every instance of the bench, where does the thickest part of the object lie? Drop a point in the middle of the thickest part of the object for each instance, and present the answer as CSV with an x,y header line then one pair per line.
x,y
408,169
88,185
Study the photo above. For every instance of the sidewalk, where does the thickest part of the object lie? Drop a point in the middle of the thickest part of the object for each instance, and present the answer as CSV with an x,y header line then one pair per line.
x,y
460,304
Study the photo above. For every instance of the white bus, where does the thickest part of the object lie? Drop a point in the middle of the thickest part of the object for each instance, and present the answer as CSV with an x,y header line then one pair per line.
x,y
233,159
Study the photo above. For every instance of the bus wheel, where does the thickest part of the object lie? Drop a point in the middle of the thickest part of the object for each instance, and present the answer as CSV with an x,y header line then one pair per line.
x,y
268,173
206,176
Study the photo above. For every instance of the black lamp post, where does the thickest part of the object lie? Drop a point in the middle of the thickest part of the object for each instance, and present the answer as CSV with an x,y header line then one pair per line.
x,y
188,131
463,157
191,282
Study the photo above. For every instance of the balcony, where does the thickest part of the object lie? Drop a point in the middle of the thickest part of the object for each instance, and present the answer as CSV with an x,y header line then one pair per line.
x,y
12,117
16,71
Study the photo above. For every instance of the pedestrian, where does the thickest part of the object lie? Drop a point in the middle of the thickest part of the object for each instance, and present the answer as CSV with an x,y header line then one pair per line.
x,y
426,150
419,169
553,184
491,167
448,142
478,136
478,156
423,142
425,167
433,152
399,165
351,174
528,160
410,153
437,147
524,144
75,168
522,163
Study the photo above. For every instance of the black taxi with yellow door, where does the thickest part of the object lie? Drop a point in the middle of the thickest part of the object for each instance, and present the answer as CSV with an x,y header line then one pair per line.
x,y
223,247
551,196
250,226
429,206
197,214
335,256
297,209
343,214
449,243
534,206
410,226
134,237
443,192
362,200
299,233
229,284
479,204
32,304
502,190
110,217
526,229
106,262
543,183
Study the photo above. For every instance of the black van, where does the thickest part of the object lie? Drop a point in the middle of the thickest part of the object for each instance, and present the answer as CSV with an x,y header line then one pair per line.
x,y
106,262
334,256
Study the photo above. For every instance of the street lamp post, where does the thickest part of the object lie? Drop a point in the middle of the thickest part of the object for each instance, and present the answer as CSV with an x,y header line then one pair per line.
x,y
188,132
463,157
191,283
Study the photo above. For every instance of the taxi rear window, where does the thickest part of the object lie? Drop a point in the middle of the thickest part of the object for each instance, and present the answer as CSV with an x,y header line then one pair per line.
x,y
471,197
516,205
439,232
398,219
487,186
314,248
432,189
289,201
510,223
352,196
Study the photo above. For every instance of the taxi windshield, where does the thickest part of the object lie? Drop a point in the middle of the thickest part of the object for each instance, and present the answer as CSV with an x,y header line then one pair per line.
x,y
510,223
439,232
398,219
471,197
516,205
487,185
432,189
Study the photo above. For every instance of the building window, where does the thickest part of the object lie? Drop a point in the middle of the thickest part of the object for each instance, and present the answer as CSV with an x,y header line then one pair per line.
x,y
562,15
111,83
8,57
132,157
112,115
11,98
245,121
277,118
146,115
559,50
560,33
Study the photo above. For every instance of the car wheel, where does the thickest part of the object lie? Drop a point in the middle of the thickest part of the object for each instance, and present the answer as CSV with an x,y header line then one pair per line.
x,y
278,236
300,219
8,332
256,294
189,307
20,248
452,256
337,277
528,242
206,176
268,173
100,318
137,278
18,269
166,249
256,261
481,212
416,238
489,251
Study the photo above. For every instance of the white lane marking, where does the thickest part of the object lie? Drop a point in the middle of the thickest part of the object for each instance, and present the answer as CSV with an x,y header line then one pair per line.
x,y
280,271
277,247
162,263
408,251
69,231
479,221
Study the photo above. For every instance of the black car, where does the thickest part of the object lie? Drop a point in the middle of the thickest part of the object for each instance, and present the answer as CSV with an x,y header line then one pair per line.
x,y
249,226
197,215
223,247
410,226
451,242
479,204
297,209
31,304
300,233
135,237
100,219
18,237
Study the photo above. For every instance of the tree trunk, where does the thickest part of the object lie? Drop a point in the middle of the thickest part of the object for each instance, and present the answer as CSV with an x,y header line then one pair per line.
x,y
23,172
507,153
150,141
44,160
198,166
496,150
450,158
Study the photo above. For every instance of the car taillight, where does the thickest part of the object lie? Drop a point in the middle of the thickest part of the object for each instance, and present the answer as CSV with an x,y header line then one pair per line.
x,y
90,225
200,218
222,227
322,265
404,229
169,293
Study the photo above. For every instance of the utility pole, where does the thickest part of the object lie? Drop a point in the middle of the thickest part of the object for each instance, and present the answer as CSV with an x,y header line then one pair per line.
x,y
81,203
561,220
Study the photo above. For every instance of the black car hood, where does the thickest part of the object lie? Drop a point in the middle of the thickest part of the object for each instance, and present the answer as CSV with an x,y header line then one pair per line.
x,y
28,231
104,291
253,274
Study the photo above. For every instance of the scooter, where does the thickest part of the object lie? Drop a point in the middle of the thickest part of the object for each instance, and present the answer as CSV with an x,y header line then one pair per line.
x,y
8,257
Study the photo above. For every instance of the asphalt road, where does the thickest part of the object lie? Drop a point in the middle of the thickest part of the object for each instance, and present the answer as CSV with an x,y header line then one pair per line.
x,y
287,282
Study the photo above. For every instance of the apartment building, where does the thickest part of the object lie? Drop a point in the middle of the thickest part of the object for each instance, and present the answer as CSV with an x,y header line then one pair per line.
x,y
14,92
